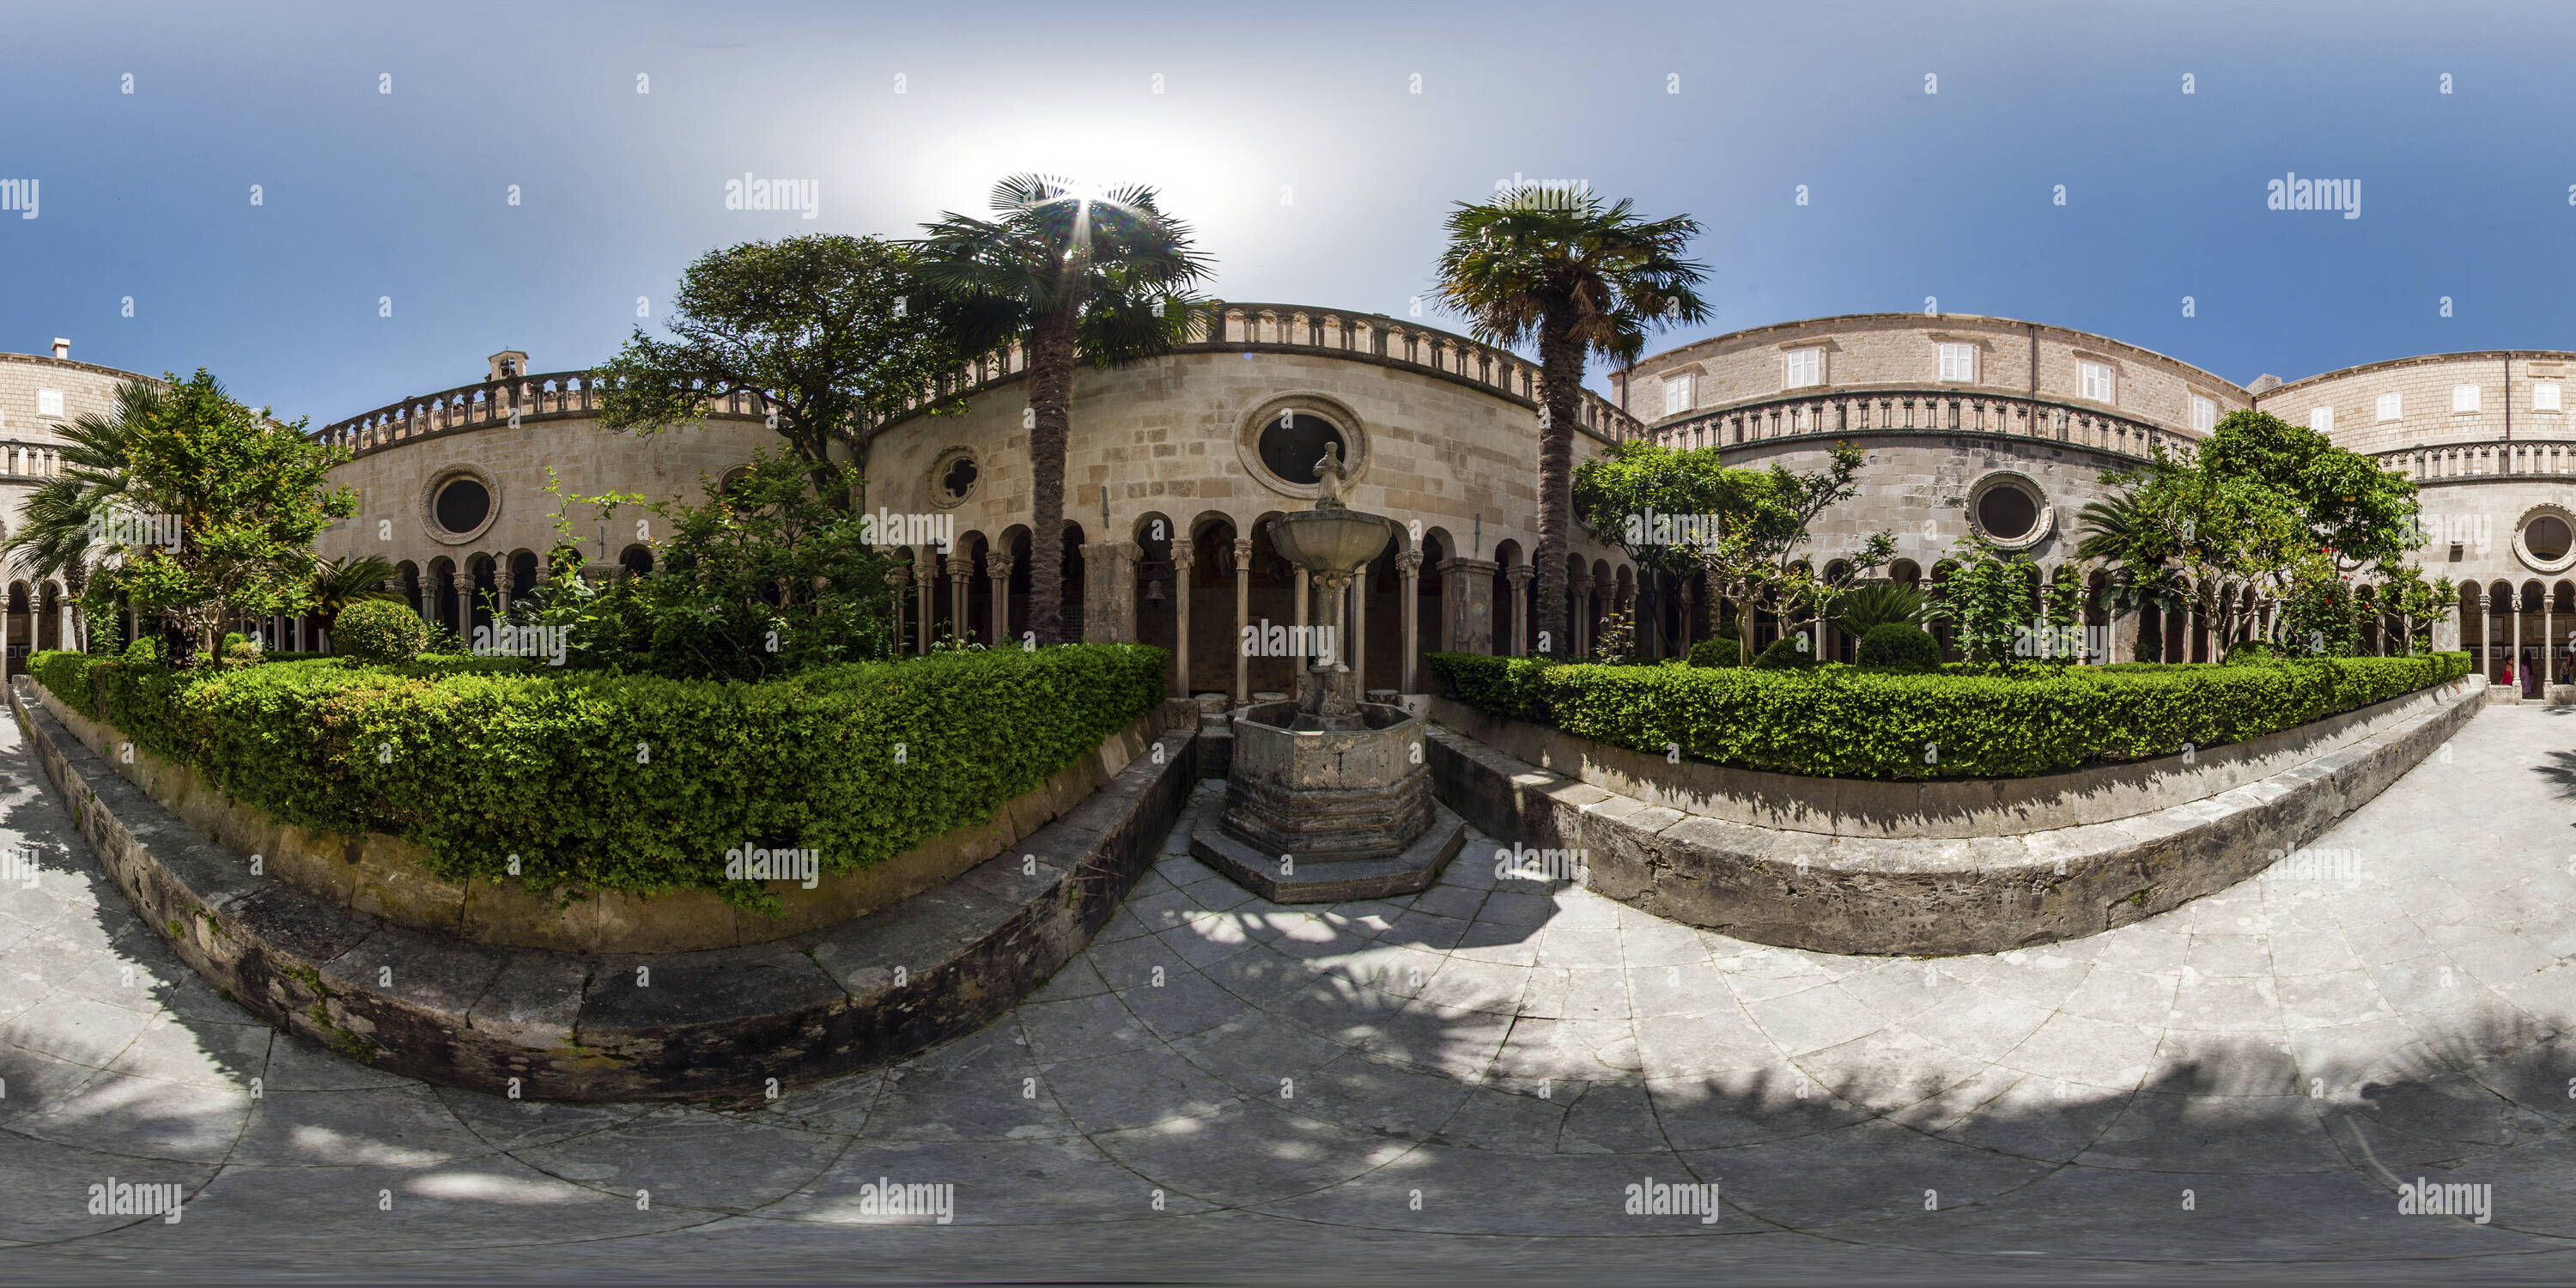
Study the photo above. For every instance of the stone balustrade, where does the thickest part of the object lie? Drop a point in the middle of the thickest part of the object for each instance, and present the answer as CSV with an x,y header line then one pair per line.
x,y
1832,414
2442,462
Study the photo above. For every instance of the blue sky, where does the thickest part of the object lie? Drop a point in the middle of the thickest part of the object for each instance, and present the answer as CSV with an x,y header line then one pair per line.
x,y
1289,136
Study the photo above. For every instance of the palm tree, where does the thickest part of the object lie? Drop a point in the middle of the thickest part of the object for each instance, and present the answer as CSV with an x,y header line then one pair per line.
x,y
1538,262
1073,275
338,583
1877,603
60,528
2116,531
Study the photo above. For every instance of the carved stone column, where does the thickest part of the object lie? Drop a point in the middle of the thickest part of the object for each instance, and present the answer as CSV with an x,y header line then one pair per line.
x,y
1301,591
465,607
1578,623
898,577
925,582
1355,646
961,574
1519,575
1467,593
1409,563
998,568
1242,619
1183,556
2520,685
1109,591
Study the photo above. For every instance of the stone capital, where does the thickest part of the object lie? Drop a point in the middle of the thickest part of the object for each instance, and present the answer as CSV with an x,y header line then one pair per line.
x,y
462,581
1184,554
999,566
1242,554
898,576
1409,562
1519,575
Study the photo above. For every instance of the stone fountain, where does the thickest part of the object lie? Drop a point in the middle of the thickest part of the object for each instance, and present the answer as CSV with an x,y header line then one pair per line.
x,y
1328,798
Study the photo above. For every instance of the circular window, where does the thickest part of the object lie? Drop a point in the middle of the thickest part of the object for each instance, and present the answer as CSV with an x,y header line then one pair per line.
x,y
953,477
1292,445
2546,537
2546,541
1281,441
2007,512
459,503
2010,510
463,505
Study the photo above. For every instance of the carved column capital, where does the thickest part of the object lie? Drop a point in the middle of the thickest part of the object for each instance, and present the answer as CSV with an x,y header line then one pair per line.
x,y
1409,562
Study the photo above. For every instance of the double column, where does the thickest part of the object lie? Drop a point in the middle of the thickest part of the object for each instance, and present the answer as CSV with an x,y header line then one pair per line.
x,y
1409,564
1520,576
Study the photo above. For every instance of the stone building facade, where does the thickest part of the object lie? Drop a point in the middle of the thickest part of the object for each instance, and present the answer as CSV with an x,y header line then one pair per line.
x,y
1178,464
39,394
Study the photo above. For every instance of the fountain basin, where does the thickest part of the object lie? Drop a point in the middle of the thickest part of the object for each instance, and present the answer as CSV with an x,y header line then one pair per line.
x,y
1325,814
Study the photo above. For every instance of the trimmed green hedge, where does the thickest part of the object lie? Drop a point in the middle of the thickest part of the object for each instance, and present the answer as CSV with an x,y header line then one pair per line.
x,y
1856,722
627,782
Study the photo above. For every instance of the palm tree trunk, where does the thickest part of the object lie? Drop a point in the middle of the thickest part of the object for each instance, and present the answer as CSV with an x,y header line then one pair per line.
x,y
1560,378
1051,359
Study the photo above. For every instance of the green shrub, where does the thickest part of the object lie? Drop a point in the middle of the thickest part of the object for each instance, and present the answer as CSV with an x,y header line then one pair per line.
x,y
2243,652
635,783
1784,654
1867,607
1849,722
143,651
1900,644
1725,652
381,631
241,652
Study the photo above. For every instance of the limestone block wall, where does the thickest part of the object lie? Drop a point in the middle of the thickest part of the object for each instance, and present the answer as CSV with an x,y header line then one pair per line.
x,y
1903,350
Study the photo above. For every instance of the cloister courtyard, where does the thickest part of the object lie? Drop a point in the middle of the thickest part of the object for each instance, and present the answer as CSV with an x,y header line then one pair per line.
x,y
1461,1084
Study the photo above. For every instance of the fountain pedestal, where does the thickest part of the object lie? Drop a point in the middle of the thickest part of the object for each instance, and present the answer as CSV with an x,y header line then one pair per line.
x,y
1327,798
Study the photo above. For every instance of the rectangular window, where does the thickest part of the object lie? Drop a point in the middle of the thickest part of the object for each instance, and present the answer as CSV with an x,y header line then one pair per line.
x,y
1677,395
2544,396
2391,407
2321,419
1806,367
49,402
2097,382
2204,414
2464,397
1959,362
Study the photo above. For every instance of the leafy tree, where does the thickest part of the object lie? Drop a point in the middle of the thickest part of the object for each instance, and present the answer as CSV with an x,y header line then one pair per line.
x,y
2358,514
1755,552
1986,599
2420,604
818,330
337,584
1540,263
1074,277
764,578
237,500
60,527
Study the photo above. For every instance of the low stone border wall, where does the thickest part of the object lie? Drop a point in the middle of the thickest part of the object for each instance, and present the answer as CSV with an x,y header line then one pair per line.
x,y
387,876
1929,897
543,1024
1952,807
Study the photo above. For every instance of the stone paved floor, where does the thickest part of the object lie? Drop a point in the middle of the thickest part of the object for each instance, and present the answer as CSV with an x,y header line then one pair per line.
x,y
1432,1087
